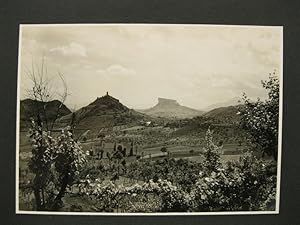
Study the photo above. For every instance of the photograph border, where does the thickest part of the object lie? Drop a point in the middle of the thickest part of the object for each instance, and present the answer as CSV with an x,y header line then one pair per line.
x,y
279,162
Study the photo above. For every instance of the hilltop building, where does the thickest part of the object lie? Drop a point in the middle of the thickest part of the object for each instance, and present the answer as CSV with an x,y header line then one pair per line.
x,y
107,98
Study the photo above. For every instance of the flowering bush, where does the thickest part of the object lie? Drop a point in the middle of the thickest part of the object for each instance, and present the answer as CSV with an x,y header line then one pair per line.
x,y
209,193
68,161
247,184
55,163
43,147
111,196
261,118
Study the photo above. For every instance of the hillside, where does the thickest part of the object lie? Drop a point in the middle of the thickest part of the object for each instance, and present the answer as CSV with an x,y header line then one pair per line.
x,y
223,121
104,112
29,109
224,114
170,108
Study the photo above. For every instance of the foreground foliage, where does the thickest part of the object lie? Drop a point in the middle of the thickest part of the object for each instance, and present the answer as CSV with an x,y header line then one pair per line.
x,y
247,184
55,163
261,118
167,185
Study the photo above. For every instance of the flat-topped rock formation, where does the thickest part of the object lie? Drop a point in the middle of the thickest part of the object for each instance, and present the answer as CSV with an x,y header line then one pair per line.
x,y
170,108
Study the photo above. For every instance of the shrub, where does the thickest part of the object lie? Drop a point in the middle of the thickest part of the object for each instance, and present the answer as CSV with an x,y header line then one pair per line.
x,y
211,153
261,118
55,163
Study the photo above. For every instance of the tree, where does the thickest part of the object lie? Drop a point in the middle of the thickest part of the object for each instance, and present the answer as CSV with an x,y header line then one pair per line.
x,y
55,163
260,118
117,161
163,149
40,163
101,153
131,150
43,92
55,160
68,161
124,152
211,153
240,143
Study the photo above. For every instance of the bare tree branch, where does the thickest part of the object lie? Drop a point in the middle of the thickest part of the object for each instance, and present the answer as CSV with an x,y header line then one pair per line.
x,y
42,92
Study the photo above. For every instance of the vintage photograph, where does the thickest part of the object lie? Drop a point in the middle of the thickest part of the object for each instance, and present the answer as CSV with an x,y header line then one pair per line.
x,y
149,119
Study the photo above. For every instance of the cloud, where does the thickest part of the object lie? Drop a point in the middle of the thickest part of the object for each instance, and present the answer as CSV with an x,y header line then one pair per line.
x,y
197,65
73,49
117,70
221,82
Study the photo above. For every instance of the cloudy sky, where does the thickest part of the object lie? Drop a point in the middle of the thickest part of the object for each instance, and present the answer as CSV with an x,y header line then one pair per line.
x,y
196,65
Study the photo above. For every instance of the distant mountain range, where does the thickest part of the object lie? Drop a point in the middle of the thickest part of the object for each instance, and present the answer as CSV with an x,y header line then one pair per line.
x,y
231,102
169,108
107,111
